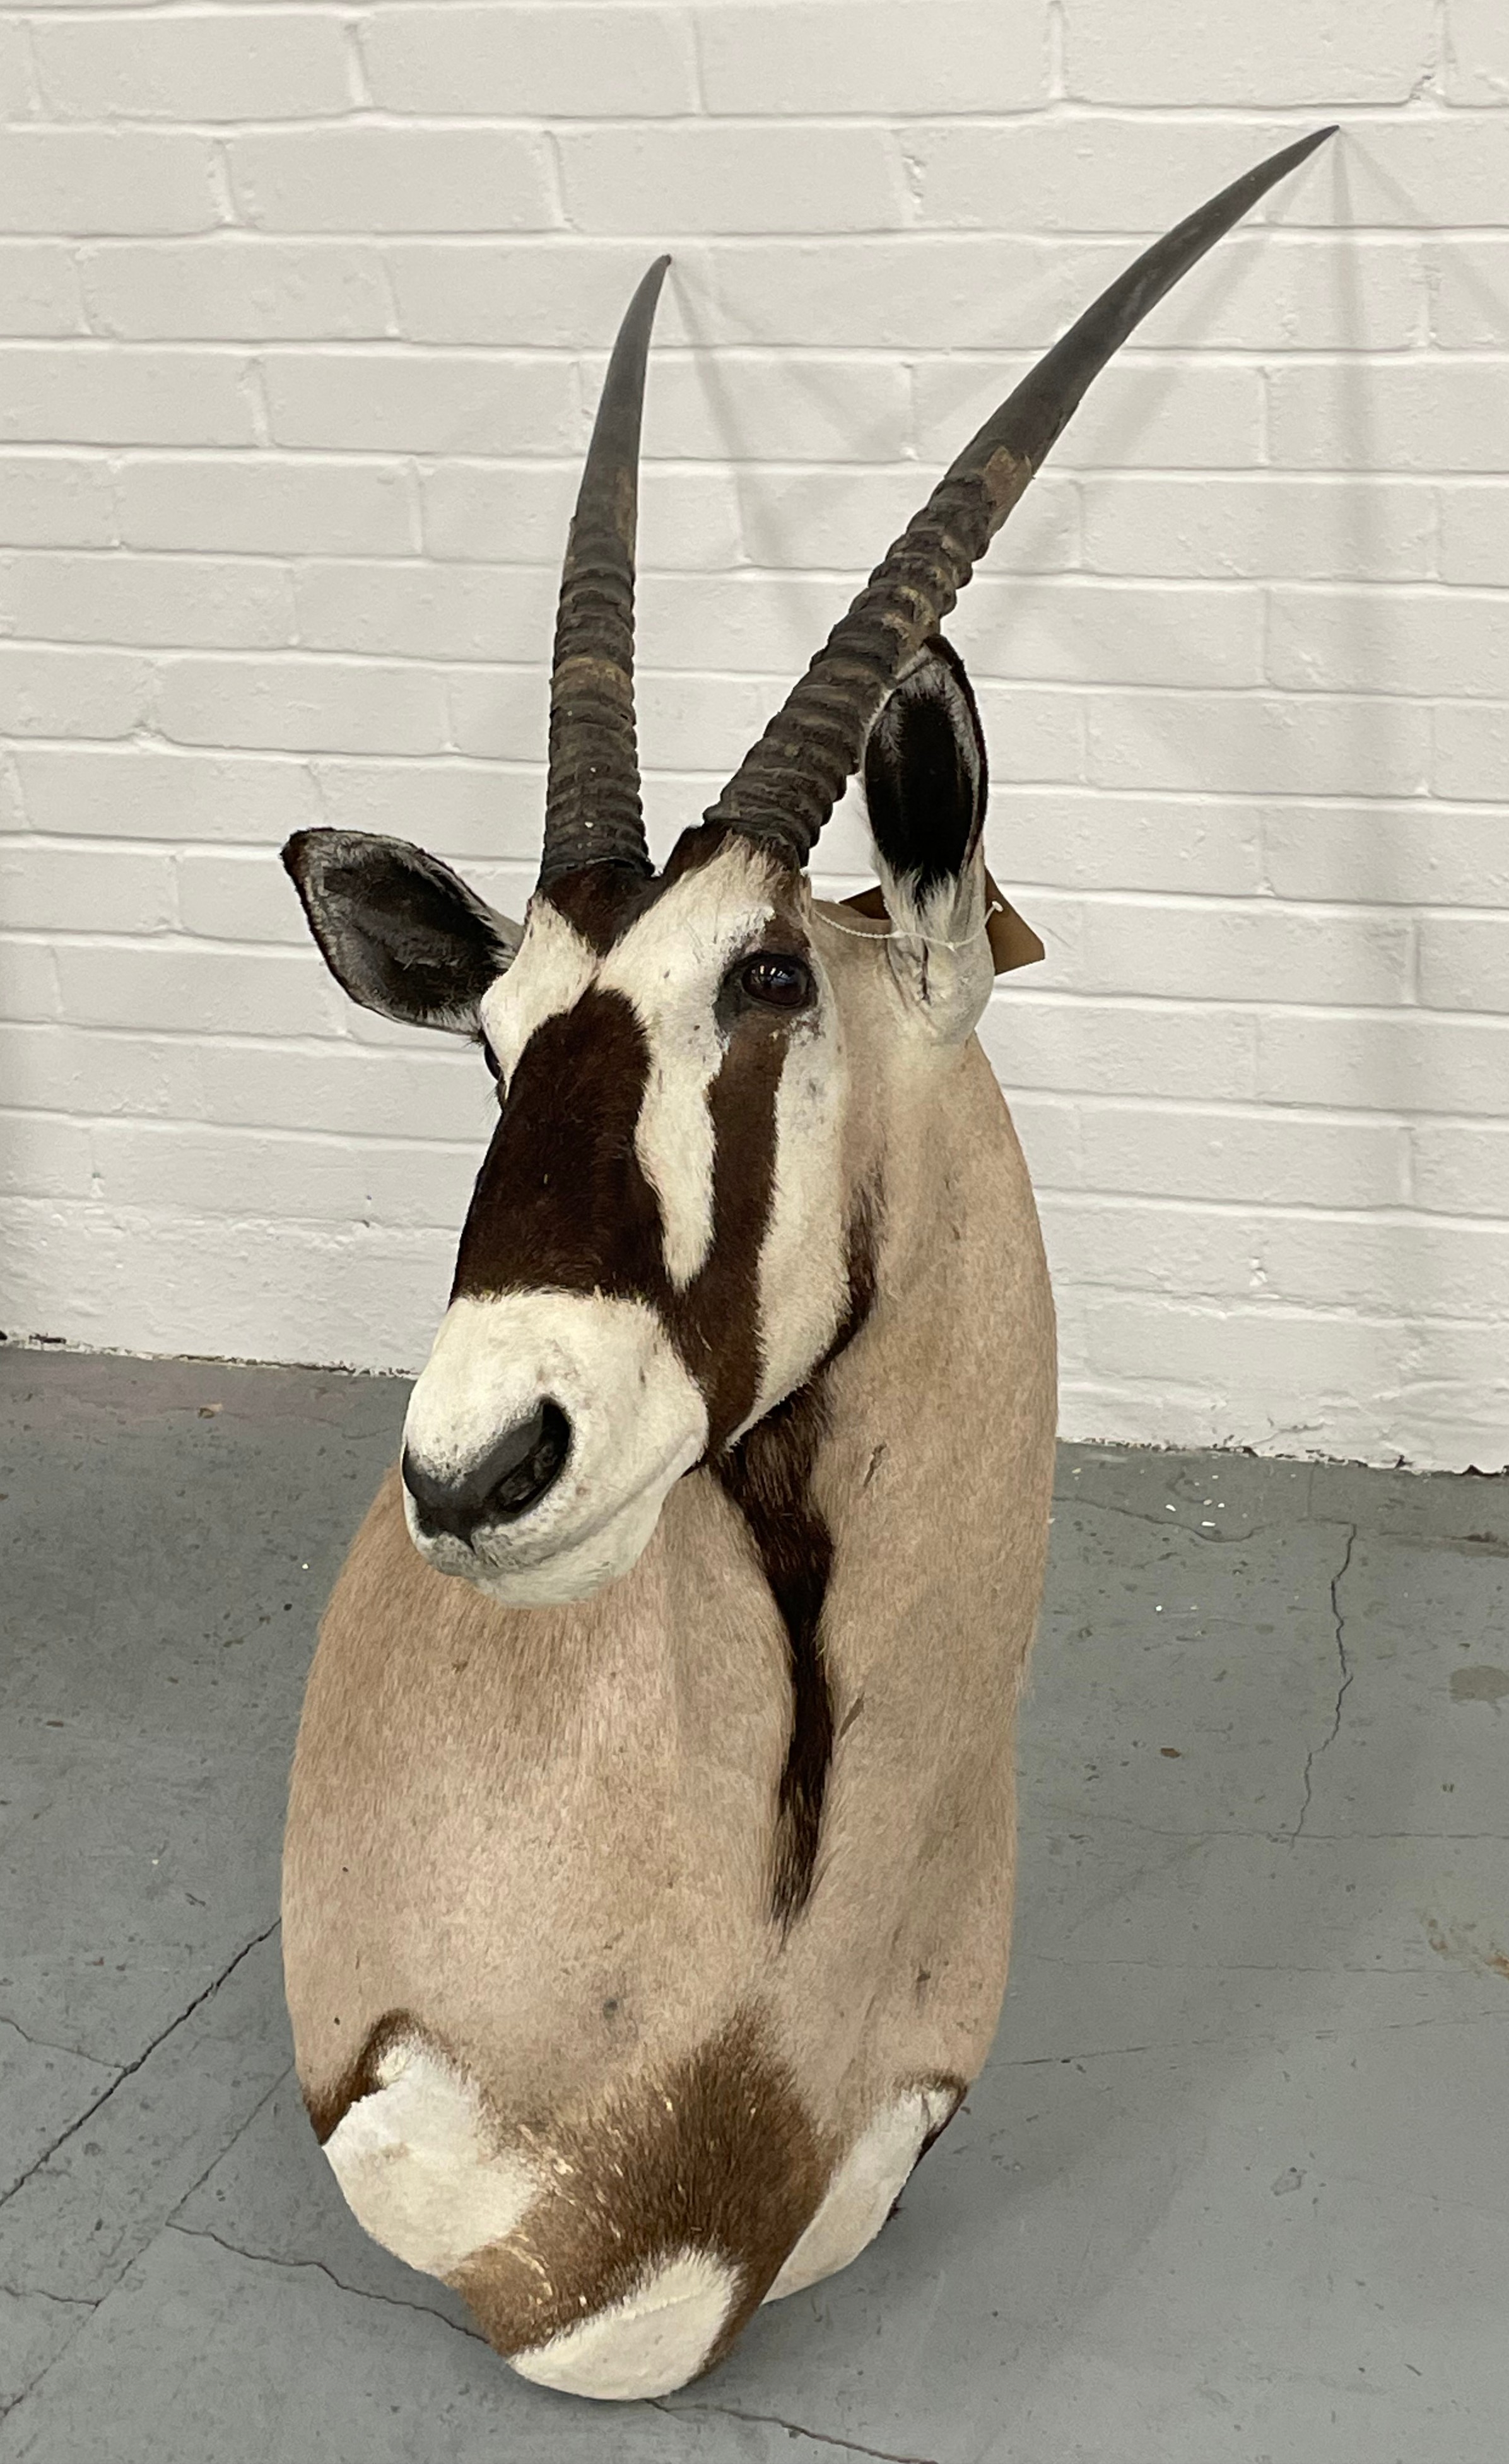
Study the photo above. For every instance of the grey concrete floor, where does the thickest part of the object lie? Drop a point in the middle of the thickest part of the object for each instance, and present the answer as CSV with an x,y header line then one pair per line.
x,y
1234,2188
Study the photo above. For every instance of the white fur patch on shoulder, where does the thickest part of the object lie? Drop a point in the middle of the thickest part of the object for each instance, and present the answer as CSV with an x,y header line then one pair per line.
x,y
647,2344
416,2169
859,2196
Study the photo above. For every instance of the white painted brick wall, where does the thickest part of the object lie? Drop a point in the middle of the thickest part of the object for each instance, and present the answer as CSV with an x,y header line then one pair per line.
x,y
302,315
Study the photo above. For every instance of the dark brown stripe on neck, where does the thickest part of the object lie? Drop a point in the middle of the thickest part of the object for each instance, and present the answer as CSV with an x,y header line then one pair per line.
x,y
767,1476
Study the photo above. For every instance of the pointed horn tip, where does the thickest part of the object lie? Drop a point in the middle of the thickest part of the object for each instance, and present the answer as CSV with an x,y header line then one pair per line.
x,y
1289,158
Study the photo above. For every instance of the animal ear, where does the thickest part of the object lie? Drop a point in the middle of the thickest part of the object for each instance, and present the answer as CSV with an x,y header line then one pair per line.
x,y
399,930
925,772
925,781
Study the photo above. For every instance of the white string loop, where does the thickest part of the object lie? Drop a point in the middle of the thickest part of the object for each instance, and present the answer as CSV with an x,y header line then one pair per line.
x,y
996,907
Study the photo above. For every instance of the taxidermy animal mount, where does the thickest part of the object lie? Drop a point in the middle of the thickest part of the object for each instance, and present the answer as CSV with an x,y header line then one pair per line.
x,y
650,1867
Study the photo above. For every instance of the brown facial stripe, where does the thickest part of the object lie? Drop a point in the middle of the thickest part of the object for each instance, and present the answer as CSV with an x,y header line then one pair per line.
x,y
328,2108
601,901
767,1476
561,1200
717,2156
715,1322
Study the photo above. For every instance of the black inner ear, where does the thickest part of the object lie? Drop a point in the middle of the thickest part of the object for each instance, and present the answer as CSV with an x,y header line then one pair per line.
x,y
925,771
399,930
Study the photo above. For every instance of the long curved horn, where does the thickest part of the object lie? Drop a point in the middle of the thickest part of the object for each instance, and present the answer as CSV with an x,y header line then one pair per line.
x,y
787,786
593,813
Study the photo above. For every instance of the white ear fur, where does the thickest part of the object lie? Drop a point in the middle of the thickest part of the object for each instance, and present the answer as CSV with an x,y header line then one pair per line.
x,y
939,954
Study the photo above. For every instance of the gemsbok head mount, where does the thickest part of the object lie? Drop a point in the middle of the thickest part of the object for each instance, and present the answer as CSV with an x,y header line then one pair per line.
x,y
647,1893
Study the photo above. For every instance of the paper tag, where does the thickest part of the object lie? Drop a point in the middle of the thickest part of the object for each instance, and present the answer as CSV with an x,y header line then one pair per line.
x,y
1012,941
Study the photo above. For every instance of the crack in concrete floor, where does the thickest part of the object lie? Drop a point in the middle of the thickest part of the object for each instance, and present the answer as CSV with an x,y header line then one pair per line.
x,y
128,2070
358,2292
794,2429
1164,1521
9,2402
1277,2035
1057,1820
1339,1624
51,2045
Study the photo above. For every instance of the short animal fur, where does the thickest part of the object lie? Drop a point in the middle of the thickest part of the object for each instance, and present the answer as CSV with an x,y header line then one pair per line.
x,y
649,1874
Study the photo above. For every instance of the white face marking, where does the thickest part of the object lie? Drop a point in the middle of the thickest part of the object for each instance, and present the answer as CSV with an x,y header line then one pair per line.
x,y
552,970
669,967
638,1421
416,2169
804,1266
647,2344
861,2195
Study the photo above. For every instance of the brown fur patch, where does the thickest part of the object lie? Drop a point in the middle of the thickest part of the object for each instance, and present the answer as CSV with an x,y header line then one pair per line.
x,y
717,2156
560,1201
716,1320
601,900
768,1475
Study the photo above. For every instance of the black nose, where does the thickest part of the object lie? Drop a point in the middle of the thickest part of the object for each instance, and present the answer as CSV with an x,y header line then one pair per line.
x,y
512,1475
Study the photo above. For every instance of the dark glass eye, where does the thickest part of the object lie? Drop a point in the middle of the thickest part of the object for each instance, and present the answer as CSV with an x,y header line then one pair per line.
x,y
780,981
490,1058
